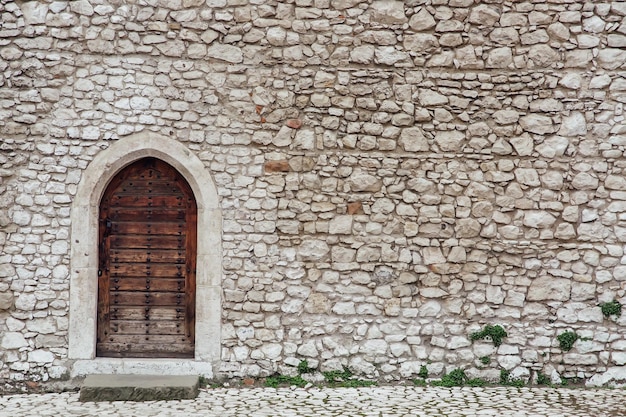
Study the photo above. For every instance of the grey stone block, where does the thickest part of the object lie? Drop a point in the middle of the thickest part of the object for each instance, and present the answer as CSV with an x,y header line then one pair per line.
x,y
138,388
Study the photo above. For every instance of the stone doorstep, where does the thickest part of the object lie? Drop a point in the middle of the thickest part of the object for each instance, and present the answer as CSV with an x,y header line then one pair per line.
x,y
115,387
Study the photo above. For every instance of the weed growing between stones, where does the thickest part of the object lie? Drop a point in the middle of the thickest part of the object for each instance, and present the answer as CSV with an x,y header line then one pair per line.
x,y
419,382
485,360
345,379
567,340
303,367
458,378
543,379
494,333
505,379
423,373
611,308
277,380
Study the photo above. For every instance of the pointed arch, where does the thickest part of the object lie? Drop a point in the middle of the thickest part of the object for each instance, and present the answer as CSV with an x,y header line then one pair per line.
x,y
84,245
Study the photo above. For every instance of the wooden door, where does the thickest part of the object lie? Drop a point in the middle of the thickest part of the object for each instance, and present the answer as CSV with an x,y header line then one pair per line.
x,y
147,255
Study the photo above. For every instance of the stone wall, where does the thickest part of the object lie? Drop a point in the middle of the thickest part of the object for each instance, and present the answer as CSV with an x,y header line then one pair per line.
x,y
393,175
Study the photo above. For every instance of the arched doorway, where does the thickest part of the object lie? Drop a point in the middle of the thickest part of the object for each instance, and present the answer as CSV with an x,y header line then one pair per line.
x,y
84,263
147,263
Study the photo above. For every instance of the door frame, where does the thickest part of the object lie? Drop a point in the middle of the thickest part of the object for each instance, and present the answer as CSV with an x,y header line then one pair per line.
x,y
84,242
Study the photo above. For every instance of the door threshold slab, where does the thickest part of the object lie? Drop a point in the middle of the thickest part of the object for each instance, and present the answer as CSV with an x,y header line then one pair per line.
x,y
137,366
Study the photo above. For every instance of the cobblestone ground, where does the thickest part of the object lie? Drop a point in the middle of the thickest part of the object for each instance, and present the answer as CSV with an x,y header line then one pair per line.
x,y
378,401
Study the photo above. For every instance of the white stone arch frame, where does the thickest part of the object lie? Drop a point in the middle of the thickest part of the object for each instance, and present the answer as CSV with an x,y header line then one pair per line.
x,y
84,256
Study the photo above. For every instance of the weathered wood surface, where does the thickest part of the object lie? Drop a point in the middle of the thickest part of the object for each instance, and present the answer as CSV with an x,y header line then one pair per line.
x,y
147,248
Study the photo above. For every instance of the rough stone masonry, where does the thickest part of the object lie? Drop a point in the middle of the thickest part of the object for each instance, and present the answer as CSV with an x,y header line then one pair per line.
x,y
393,175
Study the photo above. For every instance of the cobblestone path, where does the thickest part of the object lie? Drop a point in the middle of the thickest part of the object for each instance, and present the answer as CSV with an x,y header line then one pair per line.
x,y
385,401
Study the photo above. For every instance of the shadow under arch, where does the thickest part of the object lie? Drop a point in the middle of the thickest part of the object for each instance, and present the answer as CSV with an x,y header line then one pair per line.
x,y
84,243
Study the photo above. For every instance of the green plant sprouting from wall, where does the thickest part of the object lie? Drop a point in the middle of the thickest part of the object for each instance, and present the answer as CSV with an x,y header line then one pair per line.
x,y
276,380
495,333
611,308
506,380
567,340
458,378
344,378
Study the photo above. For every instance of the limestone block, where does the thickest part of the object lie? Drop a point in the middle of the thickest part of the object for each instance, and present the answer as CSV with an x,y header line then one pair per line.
x,y
374,347
449,140
585,181
276,36
543,55
413,140
430,308
420,42
538,219
466,58
535,37
552,180
40,356
34,13
457,255
553,146
344,308
433,255
313,250
228,53
422,20
527,176
549,288
340,225
615,182
578,359
565,231
432,98
368,253
360,180
388,55
432,292
13,340
6,300
26,302
505,36
362,367
388,12
342,255
284,136
495,294
308,349
499,58
616,41
467,228
523,144
82,7
537,123
484,15
579,58
45,325
317,304
559,31
509,361
21,217
304,139
10,53
573,125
